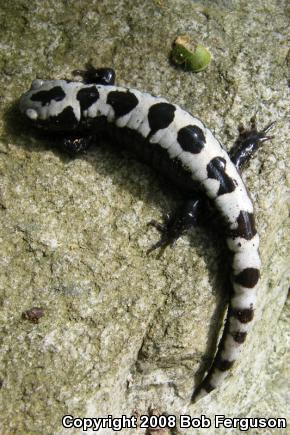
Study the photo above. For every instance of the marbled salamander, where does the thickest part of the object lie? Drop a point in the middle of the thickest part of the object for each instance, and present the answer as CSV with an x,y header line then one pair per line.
x,y
182,148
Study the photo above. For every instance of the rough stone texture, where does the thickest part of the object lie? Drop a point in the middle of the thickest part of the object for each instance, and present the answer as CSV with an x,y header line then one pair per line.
x,y
123,332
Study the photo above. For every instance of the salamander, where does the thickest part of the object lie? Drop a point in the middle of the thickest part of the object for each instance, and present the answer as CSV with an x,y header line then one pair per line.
x,y
183,149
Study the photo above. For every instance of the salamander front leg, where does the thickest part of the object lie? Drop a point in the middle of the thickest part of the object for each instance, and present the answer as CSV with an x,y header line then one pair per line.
x,y
97,76
177,224
248,142
74,144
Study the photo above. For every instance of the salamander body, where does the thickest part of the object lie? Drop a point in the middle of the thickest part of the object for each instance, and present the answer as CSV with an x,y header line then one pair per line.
x,y
185,150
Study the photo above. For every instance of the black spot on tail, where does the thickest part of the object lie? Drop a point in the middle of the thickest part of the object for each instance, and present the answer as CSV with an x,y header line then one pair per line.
x,y
246,226
87,97
239,336
123,102
45,97
206,385
248,277
191,139
160,116
216,169
223,364
244,316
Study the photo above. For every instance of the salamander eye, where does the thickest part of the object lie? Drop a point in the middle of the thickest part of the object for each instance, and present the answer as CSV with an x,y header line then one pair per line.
x,y
36,84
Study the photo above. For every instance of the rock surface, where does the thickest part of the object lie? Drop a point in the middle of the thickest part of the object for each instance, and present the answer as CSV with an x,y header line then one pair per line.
x,y
122,332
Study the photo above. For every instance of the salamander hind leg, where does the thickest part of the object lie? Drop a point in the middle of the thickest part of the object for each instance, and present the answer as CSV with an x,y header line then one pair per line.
x,y
176,225
248,142
97,76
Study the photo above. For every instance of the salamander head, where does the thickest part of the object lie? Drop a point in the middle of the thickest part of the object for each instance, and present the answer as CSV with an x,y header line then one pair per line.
x,y
51,105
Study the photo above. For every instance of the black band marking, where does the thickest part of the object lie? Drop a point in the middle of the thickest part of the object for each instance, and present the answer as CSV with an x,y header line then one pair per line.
x,y
66,120
191,139
244,316
123,102
223,364
239,336
216,169
87,97
45,97
160,116
248,277
206,385
246,226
